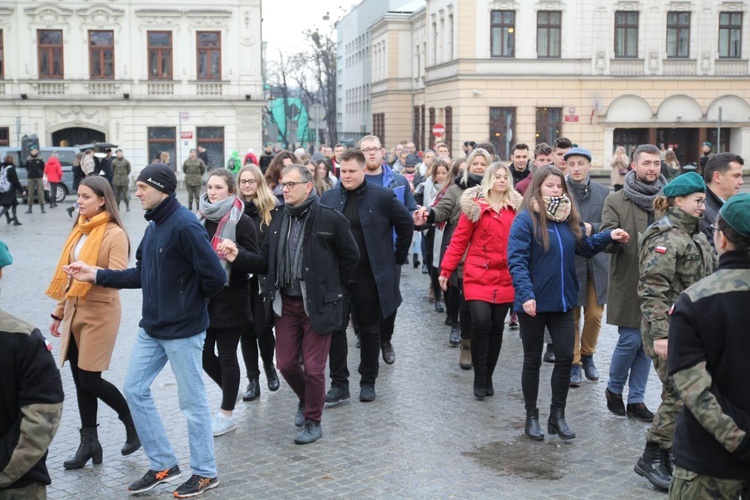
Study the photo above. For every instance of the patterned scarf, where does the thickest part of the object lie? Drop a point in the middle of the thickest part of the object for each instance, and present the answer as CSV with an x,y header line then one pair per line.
x,y
94,228
226,213
556,208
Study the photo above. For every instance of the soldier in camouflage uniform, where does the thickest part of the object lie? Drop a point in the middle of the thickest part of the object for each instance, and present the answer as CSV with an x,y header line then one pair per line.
x,y
708,346
194,168
32,398
673,254
121,179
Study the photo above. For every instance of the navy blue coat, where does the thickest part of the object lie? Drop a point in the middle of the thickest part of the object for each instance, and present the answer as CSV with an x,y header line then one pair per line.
x,y
381,214
548,276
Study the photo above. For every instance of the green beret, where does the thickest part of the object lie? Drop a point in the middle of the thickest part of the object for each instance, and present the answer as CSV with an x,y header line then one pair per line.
x,y
5,257
685,184
736,213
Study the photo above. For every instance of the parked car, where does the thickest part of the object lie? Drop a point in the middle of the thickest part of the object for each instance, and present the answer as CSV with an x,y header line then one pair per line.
x,y
66,155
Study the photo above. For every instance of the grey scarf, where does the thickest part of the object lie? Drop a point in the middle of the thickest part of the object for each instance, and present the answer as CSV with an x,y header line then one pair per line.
x,y
226,213
643,194
286,275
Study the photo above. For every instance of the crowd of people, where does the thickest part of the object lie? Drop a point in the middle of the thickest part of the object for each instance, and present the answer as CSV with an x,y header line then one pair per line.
x,y
292,249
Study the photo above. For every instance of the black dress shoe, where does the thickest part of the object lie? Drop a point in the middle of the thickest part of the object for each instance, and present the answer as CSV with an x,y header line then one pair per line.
x,y
253,390
439,306
549,354
271,377
389,355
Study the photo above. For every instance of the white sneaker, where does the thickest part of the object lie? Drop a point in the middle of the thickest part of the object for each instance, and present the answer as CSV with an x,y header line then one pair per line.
x,y
221,424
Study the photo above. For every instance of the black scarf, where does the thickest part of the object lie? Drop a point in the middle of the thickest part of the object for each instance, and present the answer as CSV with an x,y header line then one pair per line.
x,y
286,275
163,210
472,181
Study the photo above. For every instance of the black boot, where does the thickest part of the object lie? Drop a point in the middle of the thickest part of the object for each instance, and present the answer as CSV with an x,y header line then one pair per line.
x,y
42,207
653,466
532,427
415,260
557,424
28,210
88,449
132,443
271,377
70,211
253,390
479,360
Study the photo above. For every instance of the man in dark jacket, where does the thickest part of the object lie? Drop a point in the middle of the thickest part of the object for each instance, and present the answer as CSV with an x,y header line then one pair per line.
x,y
31,400
374,213
177,270
381,174
311,254
34,181
520,168
723,176
266,157
105,166
592,273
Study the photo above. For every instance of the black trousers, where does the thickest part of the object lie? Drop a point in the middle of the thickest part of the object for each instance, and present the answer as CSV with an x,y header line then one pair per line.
x,y
561,329
257,337
90,388
487,323
361,297
223,369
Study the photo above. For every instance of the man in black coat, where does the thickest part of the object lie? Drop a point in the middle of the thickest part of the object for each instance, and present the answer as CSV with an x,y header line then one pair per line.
x,y
374,213
723,176
311,254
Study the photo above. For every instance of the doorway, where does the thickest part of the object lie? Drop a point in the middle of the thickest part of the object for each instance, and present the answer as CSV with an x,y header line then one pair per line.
x,y
68,137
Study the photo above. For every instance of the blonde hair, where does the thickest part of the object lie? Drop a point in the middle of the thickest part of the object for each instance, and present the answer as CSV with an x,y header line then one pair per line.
x,y
264,199
470,160
511,198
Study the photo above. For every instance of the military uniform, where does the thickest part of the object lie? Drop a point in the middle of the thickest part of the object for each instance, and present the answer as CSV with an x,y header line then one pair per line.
x,y
194,168
673,254
708,349
121,181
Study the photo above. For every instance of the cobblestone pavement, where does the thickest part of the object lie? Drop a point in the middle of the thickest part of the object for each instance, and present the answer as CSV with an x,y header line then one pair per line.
x,y
424,437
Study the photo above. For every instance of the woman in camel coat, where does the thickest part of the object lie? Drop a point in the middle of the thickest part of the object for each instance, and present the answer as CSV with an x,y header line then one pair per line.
x,y
87,317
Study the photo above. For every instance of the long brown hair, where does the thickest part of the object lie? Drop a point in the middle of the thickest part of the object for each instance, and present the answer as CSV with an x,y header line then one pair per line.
x,y
227,176
534,197
101,188
273,173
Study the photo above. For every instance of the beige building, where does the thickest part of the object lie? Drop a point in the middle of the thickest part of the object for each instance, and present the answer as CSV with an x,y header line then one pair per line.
x,y
602,73
148,77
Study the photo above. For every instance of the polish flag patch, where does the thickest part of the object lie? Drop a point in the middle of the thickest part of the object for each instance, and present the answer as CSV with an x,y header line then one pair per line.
x,y
661,249
48,345
671,310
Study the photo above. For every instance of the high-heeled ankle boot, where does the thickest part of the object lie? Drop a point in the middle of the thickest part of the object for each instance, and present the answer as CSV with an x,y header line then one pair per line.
x,y
557,424
88,449
132,443
532,427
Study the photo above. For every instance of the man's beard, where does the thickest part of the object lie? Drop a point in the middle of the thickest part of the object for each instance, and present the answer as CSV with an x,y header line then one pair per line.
x,y
372,166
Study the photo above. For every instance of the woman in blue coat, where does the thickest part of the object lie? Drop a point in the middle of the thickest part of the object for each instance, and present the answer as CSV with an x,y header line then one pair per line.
x,y
544,239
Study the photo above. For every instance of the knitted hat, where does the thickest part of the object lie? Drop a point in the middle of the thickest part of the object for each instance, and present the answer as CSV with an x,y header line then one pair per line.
x,y
736,213
159,176
578,152
412,160
685,184
5,258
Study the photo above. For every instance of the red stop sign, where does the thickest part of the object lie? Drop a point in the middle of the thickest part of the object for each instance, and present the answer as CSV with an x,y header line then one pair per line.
x,y
438,130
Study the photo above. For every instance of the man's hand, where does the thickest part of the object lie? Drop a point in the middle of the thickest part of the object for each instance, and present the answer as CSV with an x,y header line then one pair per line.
x,y
419,216
661,348
80,271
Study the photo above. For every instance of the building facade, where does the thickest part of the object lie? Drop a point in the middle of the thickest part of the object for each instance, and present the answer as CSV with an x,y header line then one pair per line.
x,y
146,77
602,73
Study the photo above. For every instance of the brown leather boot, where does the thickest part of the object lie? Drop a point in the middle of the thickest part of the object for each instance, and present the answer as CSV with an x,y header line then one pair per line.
x,y
464,360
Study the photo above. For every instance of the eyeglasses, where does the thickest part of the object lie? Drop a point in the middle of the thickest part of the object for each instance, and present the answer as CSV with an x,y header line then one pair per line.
x,y
290,184
715,228
701,202
245,182
367,151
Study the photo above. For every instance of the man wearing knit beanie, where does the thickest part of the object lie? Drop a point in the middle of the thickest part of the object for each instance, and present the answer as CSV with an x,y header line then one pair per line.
x,y
174,255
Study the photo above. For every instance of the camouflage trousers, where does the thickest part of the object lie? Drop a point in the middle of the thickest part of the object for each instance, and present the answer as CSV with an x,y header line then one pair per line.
x,y
661,431
122,194
194,193
690,485
33,491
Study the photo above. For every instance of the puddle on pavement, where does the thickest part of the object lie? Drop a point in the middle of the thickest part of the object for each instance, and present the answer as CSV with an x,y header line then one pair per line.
x,y
524,458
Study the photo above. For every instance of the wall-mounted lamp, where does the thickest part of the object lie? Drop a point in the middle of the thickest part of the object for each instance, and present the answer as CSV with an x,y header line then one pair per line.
x,y
679,117
126,96
24,96
248,97
477,93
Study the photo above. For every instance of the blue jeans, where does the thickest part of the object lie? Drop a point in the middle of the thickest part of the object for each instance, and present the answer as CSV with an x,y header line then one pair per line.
x,y
628,357
146,362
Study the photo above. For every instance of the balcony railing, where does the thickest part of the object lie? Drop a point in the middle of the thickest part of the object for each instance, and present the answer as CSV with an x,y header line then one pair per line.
x,y
626,67
160,88
731,67
50,88
102,88
209,88
679,67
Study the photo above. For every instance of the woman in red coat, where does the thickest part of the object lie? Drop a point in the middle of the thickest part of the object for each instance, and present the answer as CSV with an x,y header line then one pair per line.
x,y
53,171
487,214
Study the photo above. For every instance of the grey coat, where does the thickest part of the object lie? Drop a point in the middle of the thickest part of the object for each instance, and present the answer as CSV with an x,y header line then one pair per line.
x,y
624,307
590,209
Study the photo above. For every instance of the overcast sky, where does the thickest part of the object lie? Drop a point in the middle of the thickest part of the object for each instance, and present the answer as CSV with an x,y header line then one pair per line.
x,y
284,21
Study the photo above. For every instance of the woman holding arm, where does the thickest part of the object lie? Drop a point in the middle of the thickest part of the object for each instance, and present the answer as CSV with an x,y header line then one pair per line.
x,y
482,235
545,236
233,236
258,336
87,317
